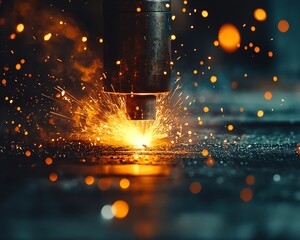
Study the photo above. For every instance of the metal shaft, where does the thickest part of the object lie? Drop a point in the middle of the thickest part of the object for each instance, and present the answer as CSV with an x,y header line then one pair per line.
x,y
137,53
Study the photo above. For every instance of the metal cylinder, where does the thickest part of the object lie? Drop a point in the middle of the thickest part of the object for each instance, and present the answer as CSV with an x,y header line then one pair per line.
x,y
137,53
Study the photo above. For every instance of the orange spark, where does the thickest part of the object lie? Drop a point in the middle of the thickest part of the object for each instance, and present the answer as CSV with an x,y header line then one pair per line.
x,y
229,37
283,26
120,209
20,27
260,14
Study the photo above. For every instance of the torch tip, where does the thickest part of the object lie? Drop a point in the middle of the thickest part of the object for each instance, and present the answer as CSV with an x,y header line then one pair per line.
x,y
141,107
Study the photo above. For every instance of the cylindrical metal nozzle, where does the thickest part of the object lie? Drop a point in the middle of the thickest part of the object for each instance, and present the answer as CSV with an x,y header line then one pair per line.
x,y
137,53
141,107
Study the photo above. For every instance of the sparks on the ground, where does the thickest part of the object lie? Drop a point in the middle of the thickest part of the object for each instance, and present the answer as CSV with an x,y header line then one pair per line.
x,y
103,118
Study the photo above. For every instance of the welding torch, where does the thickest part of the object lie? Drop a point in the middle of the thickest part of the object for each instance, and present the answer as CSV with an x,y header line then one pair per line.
x,y
137,53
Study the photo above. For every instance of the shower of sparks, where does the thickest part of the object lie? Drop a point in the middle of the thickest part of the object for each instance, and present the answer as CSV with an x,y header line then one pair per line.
x,y
102,118
50,48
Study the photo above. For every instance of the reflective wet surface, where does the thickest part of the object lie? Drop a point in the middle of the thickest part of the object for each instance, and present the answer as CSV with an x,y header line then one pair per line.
x,y
238,185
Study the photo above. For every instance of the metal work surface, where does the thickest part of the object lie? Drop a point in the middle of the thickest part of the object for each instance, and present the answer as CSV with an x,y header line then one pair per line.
x,y
160,196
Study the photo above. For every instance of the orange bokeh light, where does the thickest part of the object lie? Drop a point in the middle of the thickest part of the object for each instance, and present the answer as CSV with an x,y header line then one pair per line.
x,y
48,161
213,79
204,152
27,153
260,113
230,127
268,95
120,209
210,162
195,187
270,54
89,180
283,26
13,36
260,14
234,85
246,194
18,66
229,37
53,177
20,27
250,180
206,109
124,183
47,37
